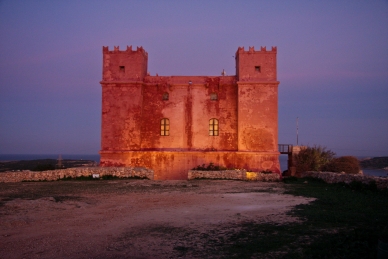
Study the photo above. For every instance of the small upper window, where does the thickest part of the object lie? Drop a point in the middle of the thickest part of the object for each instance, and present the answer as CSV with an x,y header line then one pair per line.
x,y
165,96
213,127
258,69
122,69
164,127
213,96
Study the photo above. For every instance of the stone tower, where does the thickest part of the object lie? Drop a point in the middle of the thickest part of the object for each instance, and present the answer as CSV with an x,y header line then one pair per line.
x,y
123,73
257,100
172,124
128,65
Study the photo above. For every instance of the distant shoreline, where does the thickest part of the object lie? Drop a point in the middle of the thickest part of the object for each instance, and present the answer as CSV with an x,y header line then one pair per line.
x,y
374,163
44,164
19,157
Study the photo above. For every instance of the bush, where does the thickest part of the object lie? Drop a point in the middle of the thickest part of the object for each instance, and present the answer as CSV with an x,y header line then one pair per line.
x,y
210,167
43,167
313,159
347,164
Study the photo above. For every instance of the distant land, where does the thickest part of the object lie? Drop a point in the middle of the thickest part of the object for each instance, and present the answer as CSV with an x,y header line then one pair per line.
x,y
51,164
43,164
375,163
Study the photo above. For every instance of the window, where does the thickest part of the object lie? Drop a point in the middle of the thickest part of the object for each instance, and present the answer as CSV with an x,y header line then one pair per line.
x,y
165,97
164,127
258,69
213,97
122,69
213,127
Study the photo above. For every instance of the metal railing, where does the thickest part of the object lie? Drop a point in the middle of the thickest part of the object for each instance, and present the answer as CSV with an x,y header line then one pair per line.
x,y
285,148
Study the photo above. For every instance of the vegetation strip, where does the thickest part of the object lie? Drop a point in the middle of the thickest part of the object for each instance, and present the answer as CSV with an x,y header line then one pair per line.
x,y
345,221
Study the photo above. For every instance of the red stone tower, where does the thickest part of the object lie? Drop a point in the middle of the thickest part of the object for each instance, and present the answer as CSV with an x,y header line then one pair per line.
x,y
174,123
257,100
123,74
128,65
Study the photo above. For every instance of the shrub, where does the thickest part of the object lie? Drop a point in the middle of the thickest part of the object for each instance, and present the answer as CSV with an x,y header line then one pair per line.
x,y
313,159
43,167
347,164
210,167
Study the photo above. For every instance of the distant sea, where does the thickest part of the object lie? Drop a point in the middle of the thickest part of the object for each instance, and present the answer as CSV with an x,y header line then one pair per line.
x,y
13,157
96,157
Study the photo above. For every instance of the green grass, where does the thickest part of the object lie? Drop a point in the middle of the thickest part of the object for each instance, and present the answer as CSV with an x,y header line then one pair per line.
x,y
345,221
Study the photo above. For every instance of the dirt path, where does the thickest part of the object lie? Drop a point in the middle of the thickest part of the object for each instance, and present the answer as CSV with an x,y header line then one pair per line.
x,y
131,218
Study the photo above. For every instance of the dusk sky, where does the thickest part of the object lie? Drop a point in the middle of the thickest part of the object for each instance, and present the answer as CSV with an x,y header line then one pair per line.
x,y
332,65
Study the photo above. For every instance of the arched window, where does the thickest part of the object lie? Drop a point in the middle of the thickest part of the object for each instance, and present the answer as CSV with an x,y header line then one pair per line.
x,y
213,97
213,127
165,96
164,127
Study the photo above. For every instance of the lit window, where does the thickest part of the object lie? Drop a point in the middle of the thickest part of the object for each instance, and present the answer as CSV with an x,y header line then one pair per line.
x,y
213,127
165,96
213,96
164,127
258,69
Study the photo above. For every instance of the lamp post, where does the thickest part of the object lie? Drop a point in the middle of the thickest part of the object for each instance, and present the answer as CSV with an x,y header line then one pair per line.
x,y
297,131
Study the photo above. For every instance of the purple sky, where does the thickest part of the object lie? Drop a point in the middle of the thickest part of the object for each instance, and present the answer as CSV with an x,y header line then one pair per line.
x,y
332,65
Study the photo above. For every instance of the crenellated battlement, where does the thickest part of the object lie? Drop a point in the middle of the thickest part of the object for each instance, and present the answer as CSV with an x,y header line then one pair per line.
x,y
116,49
129,64
256,65
252,50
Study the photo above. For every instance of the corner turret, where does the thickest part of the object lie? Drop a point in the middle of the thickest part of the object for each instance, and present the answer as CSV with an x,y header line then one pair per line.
x,y
127,65
256,66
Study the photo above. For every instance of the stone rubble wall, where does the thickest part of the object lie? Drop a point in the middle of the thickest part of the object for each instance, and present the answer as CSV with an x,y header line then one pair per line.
x,y
53,175
233,175
329,177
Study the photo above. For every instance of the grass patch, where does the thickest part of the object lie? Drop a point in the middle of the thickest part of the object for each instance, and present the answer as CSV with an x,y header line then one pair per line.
x,y
345,221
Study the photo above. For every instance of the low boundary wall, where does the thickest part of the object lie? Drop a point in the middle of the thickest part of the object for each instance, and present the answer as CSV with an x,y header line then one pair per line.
x,y
233,175
329,177
53,175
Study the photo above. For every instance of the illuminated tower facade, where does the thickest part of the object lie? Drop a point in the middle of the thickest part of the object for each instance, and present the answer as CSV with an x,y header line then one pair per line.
x,y
174,123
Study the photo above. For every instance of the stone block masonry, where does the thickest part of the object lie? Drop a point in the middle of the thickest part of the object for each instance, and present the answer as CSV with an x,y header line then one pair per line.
x,y
172,124
242,175
54,175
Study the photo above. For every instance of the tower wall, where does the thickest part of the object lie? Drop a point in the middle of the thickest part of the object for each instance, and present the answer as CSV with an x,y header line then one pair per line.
x,y
122,98
254,66
127,65
121,116
188,108
257,100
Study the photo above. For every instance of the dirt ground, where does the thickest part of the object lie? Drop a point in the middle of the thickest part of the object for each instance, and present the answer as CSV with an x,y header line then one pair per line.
x,y
132,218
